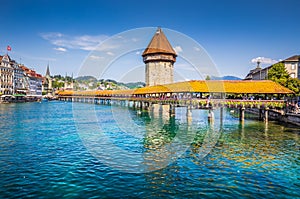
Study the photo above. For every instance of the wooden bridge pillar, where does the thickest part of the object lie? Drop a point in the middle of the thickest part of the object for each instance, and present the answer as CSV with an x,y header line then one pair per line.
x,y
172,110
242,114
189,114
260,115
221,115
266,115
211,116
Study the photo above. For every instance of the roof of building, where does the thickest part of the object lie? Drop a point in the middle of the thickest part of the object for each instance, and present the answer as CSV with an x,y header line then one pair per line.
x,y
198,86
159,44
293,58
30,72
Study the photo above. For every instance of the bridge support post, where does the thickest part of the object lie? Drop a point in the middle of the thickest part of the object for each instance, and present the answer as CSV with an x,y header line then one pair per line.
x,y
172,110
260,115
189,114
140,105
221,115
165,112
211,116
266,116
242,114
155,108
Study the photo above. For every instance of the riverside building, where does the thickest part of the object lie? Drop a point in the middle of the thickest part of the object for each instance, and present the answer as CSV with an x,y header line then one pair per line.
x,y
292,66
17,79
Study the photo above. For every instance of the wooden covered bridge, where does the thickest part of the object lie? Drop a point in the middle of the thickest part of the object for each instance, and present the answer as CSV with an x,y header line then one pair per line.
x,y
200,94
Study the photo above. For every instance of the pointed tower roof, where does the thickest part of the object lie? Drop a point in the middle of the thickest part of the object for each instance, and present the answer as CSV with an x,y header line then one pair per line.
x,y
48,71
159,44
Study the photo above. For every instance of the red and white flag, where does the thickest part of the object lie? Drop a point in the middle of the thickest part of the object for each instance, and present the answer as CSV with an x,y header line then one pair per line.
x,y
8,48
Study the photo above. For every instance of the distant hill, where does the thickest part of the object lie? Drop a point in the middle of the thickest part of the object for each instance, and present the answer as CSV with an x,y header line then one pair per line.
x,y
132,85
86,78
91,83
228,77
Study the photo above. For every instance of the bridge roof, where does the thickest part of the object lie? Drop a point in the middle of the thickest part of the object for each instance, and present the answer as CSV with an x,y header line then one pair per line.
x,y
215,86
199,86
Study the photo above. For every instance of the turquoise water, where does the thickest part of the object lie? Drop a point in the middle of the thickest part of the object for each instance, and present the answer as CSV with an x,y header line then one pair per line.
x,y
65,150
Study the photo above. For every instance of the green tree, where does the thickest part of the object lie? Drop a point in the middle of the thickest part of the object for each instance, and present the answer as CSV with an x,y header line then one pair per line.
x,y
57,84
279,74
294,85
207,78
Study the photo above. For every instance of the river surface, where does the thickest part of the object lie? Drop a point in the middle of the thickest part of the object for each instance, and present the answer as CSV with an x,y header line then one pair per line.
x,y
76,150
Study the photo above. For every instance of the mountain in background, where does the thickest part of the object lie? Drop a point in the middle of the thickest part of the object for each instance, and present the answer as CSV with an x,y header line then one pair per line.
x,y
228,77
91,83
86,78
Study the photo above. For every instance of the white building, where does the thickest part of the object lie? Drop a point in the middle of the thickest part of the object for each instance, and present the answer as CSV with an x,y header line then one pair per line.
x,y
292,66
19,79
6,75
33,82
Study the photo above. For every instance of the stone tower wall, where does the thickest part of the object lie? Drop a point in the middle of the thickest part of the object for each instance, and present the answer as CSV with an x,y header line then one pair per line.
x,y
159,72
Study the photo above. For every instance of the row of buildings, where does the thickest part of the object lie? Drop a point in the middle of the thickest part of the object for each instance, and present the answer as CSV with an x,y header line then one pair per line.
x,y
292,66
18,80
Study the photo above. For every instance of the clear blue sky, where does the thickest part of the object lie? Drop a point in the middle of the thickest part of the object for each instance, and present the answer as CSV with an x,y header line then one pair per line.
x,y
233,32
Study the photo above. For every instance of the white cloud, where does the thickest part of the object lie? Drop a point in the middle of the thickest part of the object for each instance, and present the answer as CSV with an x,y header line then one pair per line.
x,y
60,49
196,49
95,57
110,53
177,49
138,52
83,42
264,60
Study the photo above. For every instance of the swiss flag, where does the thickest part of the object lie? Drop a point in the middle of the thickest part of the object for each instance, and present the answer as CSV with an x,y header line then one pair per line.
x,y
8,48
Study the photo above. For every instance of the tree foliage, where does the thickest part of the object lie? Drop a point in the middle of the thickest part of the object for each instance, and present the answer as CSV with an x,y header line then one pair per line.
x,y
279,74
57,84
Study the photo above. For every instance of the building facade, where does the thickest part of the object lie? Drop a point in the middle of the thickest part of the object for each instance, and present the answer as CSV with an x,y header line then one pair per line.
x,y
19,79
292,66
33,82
159,58
6,76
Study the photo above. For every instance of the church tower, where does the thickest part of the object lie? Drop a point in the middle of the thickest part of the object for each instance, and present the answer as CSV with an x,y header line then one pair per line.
x,y
159,58
47,82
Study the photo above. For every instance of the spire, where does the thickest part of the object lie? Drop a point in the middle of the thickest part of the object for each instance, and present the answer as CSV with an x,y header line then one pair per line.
x,y
159,44
258,64
48,71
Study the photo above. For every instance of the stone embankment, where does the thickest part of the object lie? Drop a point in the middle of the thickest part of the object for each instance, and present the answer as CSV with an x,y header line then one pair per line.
x,y
280,116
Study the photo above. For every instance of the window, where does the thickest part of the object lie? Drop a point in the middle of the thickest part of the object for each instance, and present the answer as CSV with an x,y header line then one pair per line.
x,y
292,75
293,66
